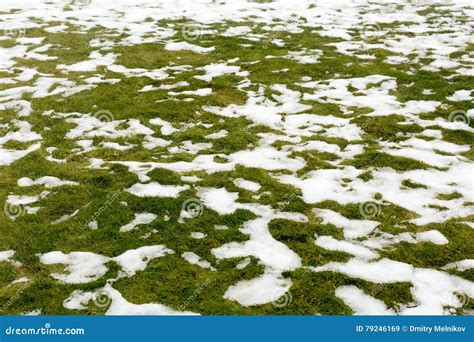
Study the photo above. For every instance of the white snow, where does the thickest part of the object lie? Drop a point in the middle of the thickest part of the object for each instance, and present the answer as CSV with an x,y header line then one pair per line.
x,y
432,236
461,95
289,122
462,265
432,290
221,134
65,217
117,304
352,228
264,289
187,46
198,235
329,243
361,303
195,259
82,267
155,189
7,256
140,219
137,259
219,200
216,70
48,181
247,185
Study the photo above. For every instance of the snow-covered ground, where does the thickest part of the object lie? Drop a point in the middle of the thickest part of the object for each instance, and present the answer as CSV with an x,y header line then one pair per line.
x,y
140,133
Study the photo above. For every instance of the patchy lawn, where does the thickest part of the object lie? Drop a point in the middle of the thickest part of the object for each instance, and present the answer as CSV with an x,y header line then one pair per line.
x,y
236,158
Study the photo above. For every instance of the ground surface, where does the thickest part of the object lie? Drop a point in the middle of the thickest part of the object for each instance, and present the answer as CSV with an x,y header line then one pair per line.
x,y
236,157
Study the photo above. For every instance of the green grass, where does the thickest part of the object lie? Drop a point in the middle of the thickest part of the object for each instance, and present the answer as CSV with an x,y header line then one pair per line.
x,y
170,280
